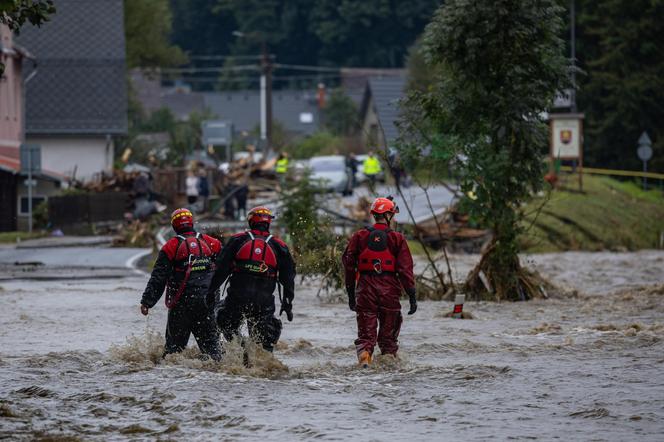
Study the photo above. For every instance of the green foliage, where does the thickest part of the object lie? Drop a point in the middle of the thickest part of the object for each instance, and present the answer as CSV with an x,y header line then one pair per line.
x,y
497,67
232,80
200,29
147,31
316,248
14,13
323,32
319,143
622,91
14,237
341,114
161,120
40,215
186,136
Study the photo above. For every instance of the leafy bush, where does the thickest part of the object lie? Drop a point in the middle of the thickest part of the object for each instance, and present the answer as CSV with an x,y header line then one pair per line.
x,y
320,143
316,248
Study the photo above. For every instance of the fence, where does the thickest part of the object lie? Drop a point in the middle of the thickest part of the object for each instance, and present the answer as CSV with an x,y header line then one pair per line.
x,y
87,208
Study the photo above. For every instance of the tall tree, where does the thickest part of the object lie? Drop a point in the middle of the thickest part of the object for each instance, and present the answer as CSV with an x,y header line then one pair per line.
x,y
621,50
498,65
368,32
341,114
147,31
201,29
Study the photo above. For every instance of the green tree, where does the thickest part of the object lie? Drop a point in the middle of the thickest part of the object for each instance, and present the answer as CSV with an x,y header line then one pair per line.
x,y
341,114
498,64
368,32
621,51
316,248
318,143
147,31
186,136
14,14
327,32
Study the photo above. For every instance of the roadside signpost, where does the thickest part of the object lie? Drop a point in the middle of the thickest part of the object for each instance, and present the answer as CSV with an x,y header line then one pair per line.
x,y
566,142
644,151
219,133
30,164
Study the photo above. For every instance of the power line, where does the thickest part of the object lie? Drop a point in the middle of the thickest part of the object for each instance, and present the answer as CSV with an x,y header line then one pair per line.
x,y
194,70
301,67
224,57
277,78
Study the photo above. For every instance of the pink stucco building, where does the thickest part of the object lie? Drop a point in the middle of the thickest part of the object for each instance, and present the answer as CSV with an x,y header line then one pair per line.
x,y
11,92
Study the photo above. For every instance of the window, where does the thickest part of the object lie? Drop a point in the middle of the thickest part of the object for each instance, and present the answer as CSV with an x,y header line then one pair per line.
x,y
23,209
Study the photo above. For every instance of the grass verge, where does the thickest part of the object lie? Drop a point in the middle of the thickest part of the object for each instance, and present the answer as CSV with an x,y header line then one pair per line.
x,y
608,215
13,237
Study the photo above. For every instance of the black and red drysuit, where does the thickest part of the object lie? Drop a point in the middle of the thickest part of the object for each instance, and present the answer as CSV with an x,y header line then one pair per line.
x,y
255,262
378,288
193,253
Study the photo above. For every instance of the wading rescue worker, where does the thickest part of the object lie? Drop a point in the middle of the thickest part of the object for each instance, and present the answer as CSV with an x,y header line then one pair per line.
x,y
256,262
378,260
185,266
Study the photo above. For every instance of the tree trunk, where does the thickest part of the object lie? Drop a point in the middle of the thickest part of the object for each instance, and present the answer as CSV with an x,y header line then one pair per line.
x,y
499,277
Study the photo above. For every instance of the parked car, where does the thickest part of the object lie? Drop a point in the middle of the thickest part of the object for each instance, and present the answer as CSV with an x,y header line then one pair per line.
x,y
329,171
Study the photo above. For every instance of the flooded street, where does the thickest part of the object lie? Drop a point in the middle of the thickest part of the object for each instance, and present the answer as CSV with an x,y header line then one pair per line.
x,y
77,362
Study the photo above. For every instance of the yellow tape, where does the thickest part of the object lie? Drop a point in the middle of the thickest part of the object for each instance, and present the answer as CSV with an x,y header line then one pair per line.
x,y
593,171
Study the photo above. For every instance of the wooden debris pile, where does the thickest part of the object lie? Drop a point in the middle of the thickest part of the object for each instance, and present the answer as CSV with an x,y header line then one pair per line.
x,y
452,228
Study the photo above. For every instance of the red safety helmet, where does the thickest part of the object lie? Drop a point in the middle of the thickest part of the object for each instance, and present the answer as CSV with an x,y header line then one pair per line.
x,y
384,205
182,219
260,214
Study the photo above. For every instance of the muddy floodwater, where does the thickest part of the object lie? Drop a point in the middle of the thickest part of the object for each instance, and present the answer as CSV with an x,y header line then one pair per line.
x,y
78,362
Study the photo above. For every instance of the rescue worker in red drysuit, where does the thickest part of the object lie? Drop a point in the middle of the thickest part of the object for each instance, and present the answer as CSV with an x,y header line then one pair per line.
x,y
378,260
184,267
256,262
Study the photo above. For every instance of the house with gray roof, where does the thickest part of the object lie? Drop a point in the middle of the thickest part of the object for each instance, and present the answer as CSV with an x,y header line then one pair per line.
x,y
76,102
379,111
296,110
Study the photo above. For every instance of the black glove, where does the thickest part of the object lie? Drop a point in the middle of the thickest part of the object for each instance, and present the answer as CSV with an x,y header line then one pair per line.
x,y
413,302
287,306
351,297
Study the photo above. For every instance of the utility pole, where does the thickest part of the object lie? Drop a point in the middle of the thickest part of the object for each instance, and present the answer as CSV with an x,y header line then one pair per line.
x,y
266,100
572,45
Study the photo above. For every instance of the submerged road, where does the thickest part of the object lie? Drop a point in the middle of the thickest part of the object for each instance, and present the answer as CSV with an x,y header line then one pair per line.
x,y
79,362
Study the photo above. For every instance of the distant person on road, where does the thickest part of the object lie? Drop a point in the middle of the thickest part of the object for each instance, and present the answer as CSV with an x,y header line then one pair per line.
x,y
385,266
281,168
184,267
203,188
241,196
192,187
396,169
351,172
256,262
371,170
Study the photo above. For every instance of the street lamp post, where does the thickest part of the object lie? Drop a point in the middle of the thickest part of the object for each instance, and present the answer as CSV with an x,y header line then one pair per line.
x,y
572,38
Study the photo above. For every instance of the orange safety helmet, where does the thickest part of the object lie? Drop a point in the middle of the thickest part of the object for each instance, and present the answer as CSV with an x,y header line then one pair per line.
x,y
260,214
182,219
384,205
